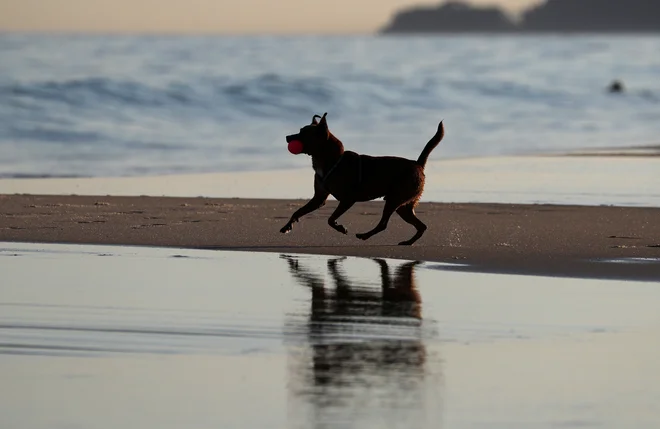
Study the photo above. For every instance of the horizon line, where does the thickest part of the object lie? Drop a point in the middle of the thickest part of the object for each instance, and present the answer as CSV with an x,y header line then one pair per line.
x,y
378,33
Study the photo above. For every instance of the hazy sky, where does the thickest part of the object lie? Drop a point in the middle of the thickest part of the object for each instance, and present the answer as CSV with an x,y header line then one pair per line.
x,y
221,16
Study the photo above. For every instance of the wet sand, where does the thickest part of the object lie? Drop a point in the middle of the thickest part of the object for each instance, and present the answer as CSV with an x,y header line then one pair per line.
x,y
555,240
111,336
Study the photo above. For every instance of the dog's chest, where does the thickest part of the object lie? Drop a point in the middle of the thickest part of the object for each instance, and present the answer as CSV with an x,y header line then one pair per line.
x,y
319,172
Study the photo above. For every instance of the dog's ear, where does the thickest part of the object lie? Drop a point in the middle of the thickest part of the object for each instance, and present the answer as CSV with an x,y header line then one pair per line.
x,y
314,121
323,122
323,126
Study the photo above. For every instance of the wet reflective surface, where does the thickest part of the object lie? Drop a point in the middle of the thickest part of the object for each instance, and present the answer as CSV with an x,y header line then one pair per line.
x,y
581,180
631,261
364,357
106,337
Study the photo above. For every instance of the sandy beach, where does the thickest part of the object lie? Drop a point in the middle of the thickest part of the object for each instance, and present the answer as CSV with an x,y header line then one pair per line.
x,y
526,239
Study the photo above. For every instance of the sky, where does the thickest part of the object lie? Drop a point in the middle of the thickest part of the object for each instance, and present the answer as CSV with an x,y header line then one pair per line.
x,y
210,16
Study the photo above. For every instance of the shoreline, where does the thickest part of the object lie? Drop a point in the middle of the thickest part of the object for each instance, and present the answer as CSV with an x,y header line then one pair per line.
x,y
549,240
567,180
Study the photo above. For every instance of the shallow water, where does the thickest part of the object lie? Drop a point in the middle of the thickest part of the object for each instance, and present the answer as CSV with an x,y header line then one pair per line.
x,y
621,181
106,337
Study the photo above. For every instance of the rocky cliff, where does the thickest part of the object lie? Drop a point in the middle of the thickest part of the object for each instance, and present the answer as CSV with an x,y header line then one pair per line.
x,y
587,16
590,16
449,17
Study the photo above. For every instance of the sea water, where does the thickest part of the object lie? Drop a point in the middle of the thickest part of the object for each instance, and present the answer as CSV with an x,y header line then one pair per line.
x,y
99,105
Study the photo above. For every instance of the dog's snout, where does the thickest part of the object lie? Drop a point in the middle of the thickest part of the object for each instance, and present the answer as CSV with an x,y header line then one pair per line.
x,y
290,138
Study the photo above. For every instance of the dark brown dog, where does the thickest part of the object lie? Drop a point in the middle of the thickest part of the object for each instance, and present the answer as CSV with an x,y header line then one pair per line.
x,y
350,178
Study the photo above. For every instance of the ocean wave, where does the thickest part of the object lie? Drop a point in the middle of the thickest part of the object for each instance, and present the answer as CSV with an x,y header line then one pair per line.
x,y
273,95
50,134
90,91
263,90
506,90
273,86
38,176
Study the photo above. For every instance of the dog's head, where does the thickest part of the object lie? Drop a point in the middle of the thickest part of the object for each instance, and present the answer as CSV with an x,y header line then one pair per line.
x,y
315,137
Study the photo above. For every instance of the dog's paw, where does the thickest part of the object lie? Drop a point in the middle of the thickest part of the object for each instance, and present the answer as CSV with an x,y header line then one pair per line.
x,y
286,228
341,229
406,243
362,236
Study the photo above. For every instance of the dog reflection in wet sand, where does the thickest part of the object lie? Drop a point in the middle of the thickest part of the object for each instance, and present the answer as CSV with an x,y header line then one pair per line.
x,y
363,340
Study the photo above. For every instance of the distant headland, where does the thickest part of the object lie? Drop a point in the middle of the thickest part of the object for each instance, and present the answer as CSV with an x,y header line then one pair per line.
x,y
578,16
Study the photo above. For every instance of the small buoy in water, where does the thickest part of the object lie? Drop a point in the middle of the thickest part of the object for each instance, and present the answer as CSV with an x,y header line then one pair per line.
x,y
616,87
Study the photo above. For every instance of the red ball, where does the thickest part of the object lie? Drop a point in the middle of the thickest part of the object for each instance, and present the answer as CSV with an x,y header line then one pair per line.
x,y
295,147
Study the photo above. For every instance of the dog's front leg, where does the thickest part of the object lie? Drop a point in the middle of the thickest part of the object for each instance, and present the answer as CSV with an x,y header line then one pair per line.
x,y
317,201
340,210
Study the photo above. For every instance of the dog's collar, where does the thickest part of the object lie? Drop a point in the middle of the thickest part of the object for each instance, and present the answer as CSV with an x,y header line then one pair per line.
x,y
332,169
323,178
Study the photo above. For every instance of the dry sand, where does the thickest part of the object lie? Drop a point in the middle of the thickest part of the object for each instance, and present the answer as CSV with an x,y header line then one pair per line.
x,y
524,239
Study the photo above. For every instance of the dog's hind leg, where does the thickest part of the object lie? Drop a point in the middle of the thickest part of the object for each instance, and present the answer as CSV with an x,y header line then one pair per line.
x,y
340,210
388,211
407,213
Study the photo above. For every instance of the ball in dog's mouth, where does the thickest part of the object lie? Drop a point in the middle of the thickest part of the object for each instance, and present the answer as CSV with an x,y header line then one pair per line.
x,y
295,147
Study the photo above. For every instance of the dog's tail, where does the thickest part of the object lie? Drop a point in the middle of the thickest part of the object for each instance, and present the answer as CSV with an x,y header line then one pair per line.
x,y
435,141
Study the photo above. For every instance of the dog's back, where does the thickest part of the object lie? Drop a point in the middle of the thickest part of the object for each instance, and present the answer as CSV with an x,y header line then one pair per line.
x,y
365,178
